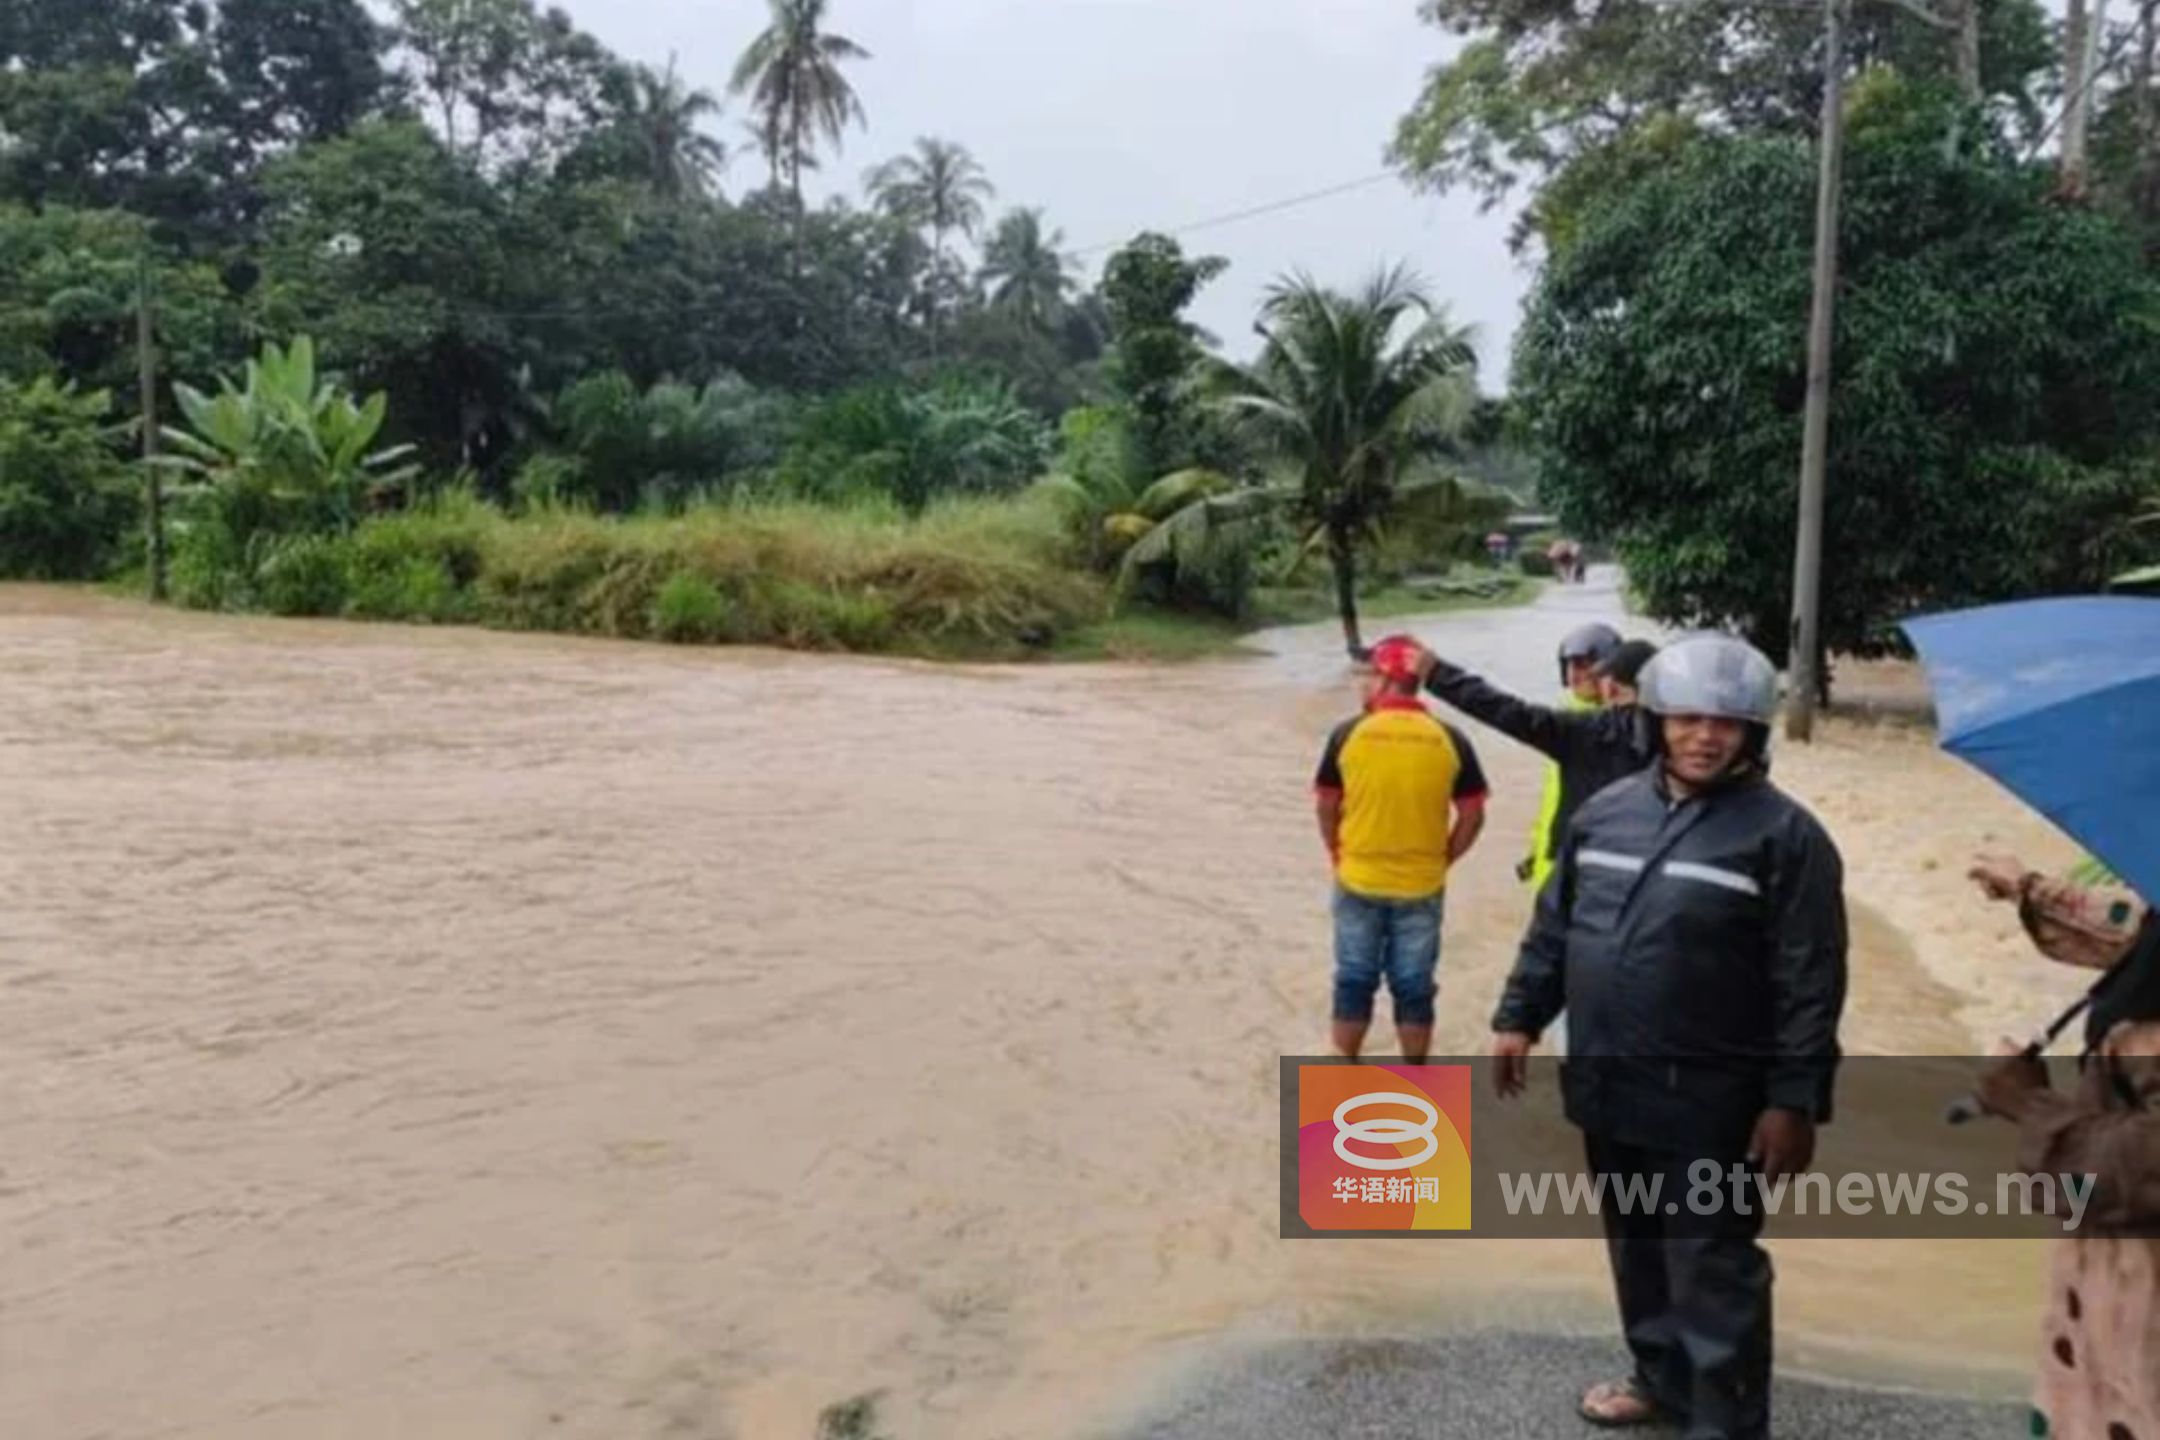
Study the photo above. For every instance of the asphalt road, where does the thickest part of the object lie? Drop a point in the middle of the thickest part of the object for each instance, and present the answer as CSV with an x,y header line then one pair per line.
x,y
1502,1386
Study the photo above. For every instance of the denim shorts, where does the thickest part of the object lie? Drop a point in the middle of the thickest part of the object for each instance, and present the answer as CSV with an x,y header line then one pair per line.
x,y
1398,940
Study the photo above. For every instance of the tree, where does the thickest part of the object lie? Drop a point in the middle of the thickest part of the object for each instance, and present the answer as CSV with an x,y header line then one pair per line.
x,y
510,86
405,266
1538,87
941,188
64,496
661,121
791,72
1026,272
67,299
1053,371
1147,287
293,71
170,109
1997,380
1342,390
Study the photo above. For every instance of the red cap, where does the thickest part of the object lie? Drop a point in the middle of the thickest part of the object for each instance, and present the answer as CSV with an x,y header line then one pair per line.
x,y
1395,658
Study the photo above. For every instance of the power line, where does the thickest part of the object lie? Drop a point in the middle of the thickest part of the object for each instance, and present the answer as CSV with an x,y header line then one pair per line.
x,y
1271,208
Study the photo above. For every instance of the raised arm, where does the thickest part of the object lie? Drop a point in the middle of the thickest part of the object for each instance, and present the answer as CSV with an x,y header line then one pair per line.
x,y
1538,726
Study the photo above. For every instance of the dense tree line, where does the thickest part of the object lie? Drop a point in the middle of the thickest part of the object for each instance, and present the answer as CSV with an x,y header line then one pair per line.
x,y
475,204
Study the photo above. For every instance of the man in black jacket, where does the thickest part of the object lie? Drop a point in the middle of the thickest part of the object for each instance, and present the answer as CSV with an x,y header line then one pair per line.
x,y
1591,747
1694,931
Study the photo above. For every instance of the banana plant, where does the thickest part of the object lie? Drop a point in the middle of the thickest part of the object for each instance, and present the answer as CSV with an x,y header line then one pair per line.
x,y
285,448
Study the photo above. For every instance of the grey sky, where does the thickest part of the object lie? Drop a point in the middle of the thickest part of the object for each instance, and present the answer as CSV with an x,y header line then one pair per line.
x,y
1122,115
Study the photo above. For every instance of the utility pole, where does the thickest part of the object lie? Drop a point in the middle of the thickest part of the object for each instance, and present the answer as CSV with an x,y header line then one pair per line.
x,y
146,375
1815,433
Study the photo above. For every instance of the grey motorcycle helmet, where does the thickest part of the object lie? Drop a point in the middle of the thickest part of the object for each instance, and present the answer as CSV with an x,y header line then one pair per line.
x,y
1594,642
1710,675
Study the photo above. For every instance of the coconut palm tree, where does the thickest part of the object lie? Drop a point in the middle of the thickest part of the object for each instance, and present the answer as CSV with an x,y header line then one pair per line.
x,y
663,118
791,71
1348,392
1026,270
939,187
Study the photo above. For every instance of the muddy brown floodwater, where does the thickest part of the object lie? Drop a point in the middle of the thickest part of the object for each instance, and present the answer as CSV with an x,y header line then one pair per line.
x,y
439,1033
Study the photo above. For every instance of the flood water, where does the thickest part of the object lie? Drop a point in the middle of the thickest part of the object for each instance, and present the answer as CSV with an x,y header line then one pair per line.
x,y
440,1033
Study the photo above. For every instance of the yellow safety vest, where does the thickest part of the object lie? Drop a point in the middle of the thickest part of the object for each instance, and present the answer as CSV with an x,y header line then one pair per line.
x,y
1541,834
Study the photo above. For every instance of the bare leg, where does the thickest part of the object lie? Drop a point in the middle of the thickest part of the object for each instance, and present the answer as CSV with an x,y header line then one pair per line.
x,y
1350,1036
1416,1042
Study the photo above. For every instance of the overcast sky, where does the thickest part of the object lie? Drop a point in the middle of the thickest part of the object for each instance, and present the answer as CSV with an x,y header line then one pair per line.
x,y
1122,115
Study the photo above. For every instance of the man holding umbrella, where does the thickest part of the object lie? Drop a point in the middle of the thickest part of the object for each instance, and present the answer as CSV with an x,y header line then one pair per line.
x,y
1694,931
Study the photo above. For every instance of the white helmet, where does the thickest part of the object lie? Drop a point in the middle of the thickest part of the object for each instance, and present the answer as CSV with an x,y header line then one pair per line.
x,y
1711,675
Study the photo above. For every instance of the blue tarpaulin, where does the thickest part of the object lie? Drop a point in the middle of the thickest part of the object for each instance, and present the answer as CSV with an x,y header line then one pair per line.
x,y
2059,701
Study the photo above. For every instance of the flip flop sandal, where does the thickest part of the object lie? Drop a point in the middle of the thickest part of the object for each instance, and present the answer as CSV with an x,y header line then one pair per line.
x,y
1603,1397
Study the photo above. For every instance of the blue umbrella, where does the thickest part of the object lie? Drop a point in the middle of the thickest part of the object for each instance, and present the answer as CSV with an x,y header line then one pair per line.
x,y
2059,702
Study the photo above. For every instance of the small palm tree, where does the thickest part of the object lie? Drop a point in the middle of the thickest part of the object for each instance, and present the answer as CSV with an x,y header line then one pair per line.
x,y
791,71
1348,391
663,119
939,187
1026,270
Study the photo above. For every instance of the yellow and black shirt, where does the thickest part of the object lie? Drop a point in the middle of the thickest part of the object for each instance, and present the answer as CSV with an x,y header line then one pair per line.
x,y
1400,771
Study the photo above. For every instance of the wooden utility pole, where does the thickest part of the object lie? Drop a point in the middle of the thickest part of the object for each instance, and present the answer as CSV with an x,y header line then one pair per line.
x,y
146,376
1815,432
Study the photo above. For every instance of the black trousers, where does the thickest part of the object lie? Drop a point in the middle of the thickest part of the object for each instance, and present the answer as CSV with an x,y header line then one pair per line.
x,y
1694,1290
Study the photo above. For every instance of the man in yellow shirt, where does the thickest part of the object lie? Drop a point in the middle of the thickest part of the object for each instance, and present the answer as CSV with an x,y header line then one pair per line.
x,y
1400,798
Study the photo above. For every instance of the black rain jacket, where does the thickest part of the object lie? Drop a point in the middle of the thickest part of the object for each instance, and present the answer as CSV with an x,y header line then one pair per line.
x,y
1699,950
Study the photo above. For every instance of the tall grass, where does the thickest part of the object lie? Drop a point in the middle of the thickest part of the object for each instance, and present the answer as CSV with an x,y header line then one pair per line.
x,y
987,577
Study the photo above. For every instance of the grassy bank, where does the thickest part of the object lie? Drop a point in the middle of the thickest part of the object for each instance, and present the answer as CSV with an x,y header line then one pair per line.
x,y
965,579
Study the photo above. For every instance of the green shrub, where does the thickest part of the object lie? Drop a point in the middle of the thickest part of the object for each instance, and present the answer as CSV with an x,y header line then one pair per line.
x,y
622,598
537,570
411,588
548,480
958,437
450,531
689,610
302,575
804,616
205,569
65,498
629,448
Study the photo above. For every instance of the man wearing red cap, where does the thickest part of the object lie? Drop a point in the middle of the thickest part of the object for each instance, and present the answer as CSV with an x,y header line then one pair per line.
x,y
1400,798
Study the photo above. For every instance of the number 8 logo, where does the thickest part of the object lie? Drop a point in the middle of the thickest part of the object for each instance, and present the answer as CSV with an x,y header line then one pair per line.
x,y
1387,1130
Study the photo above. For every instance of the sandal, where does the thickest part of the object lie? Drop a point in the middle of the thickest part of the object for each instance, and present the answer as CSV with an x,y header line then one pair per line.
x,y
1619,1404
